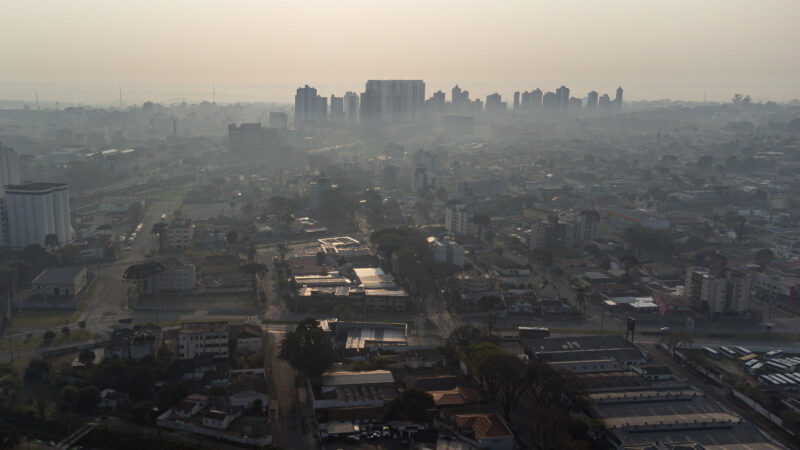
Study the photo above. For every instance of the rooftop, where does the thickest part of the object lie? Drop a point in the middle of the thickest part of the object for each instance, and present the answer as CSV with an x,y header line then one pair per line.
x,y
58,275
346,378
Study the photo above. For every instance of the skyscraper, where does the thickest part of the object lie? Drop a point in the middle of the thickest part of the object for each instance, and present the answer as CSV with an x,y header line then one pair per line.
x,y
393,101
618,99
591,101
516,100
305,105
36,210
436,104
604,104
550,102
494,103
351,106
563,98
337,108
459,100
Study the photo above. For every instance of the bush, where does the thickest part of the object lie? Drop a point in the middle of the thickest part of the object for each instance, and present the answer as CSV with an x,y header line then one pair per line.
x,y
49,335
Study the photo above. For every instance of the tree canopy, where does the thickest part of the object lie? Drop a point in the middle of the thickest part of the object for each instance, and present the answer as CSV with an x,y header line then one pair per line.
x,y
308,349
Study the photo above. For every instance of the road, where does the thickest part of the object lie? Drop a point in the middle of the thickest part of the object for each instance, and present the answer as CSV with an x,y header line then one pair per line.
x,y
291,407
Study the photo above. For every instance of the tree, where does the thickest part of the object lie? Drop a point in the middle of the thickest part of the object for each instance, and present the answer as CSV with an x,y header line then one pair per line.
x,y
763,257
51,240
48,336
68,398
138,273
159,229
231,237
65,331
580,295
86,357
255,270
461,339
37,370
412,404
282,249
492,306
675,341
308,349
82,324
507,376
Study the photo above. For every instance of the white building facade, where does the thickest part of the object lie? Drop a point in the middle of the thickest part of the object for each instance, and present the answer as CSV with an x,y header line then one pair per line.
x,y
36,210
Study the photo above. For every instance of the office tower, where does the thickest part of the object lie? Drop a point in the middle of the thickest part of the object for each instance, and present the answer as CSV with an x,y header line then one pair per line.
x,y
575,105
337,108
476,106
536,98
525,102
322,108
563,98
618,99
9,167
550,102
516,100
436,104
351,106
393,101
317,191
460,100
494,103
305,105
604,104
36,210
591,101
277,120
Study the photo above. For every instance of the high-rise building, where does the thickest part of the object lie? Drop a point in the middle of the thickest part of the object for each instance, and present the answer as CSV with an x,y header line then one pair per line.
x,y
36,210
591,101
459,100
393,101
351,106
495,103
252,137
575,105
278,120
618,99
562,94
516,100
550,102
306,106
604,104
337,108
436,104
9,167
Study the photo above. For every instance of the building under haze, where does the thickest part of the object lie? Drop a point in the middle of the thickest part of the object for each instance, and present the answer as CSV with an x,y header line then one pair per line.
x,y
495,103
36,210
337,108
591,101
351,106
618,99
562,95
278,120
9,167
252,137
393,101
309,107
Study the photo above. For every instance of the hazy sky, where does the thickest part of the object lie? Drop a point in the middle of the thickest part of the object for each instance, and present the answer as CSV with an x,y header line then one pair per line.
x,y
655,49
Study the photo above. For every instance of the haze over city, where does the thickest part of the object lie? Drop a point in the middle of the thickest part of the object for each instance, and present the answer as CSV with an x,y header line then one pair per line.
x,y
684,50
386,225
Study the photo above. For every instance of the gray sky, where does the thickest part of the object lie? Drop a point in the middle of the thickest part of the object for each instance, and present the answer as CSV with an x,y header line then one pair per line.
x,y
680,49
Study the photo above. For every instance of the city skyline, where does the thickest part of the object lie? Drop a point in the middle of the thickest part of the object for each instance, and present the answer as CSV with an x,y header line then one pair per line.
x,y
680,50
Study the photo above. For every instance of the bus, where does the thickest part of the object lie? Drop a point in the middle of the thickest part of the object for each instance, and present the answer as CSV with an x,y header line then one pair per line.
x,y
711,352
743,351
773,354
532,332
728,352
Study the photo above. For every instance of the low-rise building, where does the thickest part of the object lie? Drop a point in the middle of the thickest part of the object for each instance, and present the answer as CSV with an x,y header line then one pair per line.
x,y
203,339
344,389
134,343
179,233
488,430
62,284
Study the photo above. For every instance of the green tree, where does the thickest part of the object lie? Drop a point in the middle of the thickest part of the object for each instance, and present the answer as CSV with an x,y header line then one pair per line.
x,y
65,331
68,398
86,357
37,370
139,273
308,349
48,336
461,339
412,404
763,257
493,306
231,237
256,271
